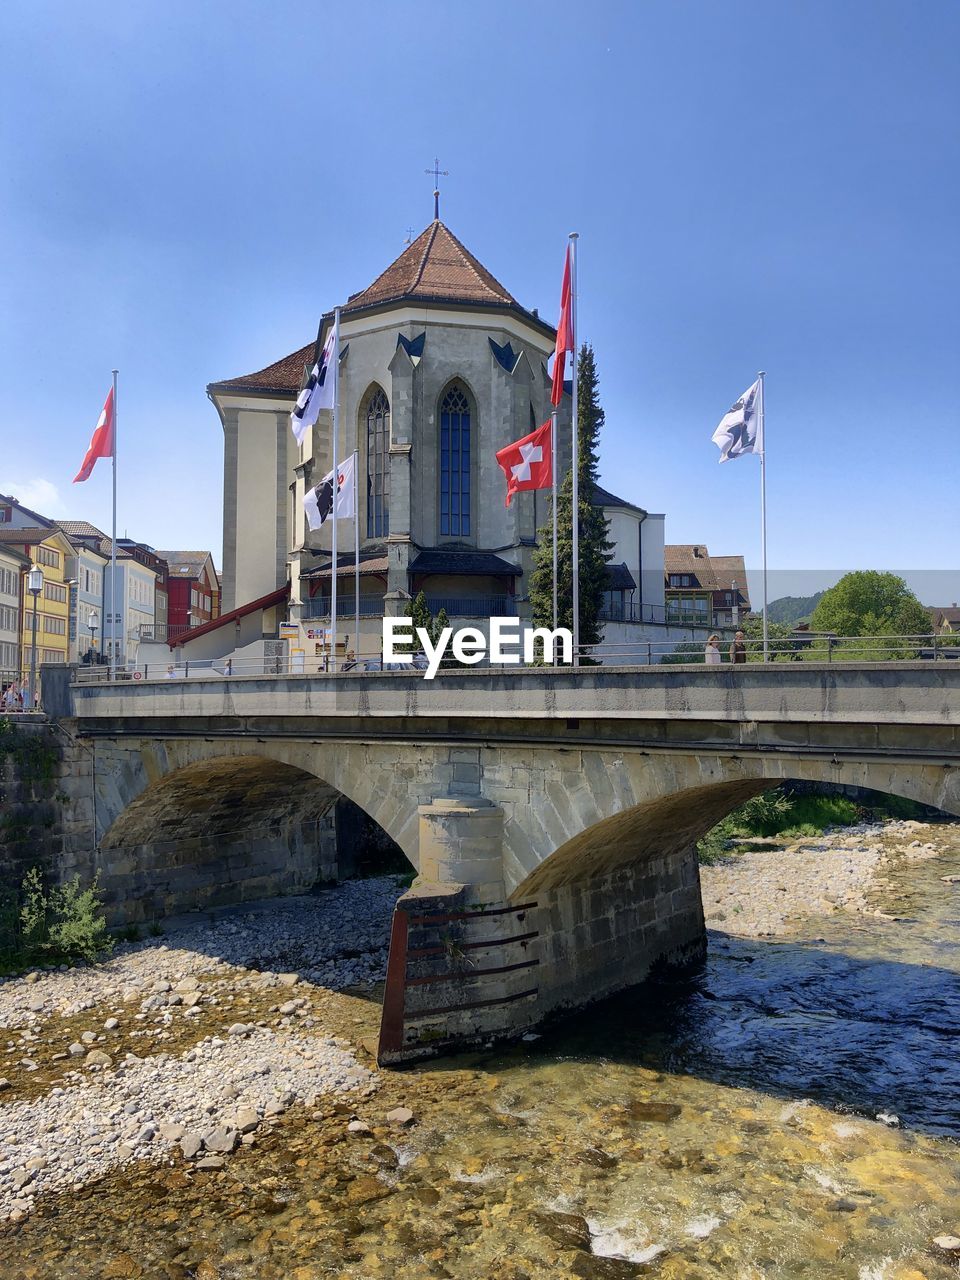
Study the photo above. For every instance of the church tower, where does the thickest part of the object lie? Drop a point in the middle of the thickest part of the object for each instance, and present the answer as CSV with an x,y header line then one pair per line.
x,y
440,367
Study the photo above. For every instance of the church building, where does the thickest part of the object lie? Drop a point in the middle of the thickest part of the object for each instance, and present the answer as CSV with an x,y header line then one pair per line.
x,y
440,367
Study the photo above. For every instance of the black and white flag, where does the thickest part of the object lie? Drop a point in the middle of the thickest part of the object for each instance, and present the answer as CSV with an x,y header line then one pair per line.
x,y
740,430
320,390
318,502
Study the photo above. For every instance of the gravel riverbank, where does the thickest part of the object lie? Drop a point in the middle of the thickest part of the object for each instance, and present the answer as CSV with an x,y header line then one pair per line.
x,y
762,892
195,1044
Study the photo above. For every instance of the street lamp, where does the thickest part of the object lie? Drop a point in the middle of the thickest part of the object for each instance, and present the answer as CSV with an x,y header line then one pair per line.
x,y
93,622
34,586
736,603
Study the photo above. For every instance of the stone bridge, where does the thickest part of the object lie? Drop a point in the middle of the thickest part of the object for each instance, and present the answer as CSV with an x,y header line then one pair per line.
x,y
550,814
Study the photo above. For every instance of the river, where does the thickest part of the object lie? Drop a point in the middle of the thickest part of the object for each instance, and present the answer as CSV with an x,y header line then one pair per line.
x,y
725,1125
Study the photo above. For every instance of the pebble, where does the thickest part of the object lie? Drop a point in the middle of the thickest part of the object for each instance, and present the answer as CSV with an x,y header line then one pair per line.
x,y
949,1244
401,1116
147,1105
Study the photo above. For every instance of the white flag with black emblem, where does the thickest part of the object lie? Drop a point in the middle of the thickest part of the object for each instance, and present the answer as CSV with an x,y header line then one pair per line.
x,y
321,386
318,502
740,430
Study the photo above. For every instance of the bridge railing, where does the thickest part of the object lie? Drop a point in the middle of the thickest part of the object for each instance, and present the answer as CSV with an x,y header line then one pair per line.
x,y
803,647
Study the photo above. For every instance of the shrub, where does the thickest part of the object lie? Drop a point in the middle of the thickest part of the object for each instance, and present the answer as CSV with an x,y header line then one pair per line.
x,y
62,924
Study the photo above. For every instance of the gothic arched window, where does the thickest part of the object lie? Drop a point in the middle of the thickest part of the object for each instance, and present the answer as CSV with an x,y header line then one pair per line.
x,y
454,464
378,464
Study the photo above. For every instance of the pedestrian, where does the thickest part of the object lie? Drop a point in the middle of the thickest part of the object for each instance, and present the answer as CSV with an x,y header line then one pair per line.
x,y
711,654
11,698
738,649
171,673
228,667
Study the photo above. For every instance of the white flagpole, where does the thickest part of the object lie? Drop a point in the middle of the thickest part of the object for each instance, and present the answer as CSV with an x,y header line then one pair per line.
x,y
763,510
574,236
553,464
113,542
356,553
335,358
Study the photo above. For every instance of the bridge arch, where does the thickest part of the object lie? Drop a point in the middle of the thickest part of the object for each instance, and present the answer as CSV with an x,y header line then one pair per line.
x,y
598,812
185,825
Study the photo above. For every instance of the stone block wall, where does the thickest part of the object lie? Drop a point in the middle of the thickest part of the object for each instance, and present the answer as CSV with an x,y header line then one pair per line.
x,y
598,936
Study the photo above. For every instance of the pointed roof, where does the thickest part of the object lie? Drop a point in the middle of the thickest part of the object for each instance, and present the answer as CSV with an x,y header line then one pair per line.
x,y
436,269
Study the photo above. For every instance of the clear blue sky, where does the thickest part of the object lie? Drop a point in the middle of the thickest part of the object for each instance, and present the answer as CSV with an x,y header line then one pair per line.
x,y
185,187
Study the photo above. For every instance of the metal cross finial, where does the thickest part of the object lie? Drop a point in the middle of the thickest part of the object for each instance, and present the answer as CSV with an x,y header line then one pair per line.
x,y
409,236
437,173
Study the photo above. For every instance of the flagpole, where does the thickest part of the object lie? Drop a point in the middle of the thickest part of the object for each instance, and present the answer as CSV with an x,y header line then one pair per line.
x,y
113,542
574,237
553,465
335,359
763,511
356,554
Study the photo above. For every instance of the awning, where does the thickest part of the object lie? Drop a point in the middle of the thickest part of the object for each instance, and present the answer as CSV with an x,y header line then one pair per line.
x,y
462,563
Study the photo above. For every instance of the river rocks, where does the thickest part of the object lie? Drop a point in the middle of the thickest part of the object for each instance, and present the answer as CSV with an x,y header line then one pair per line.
x,y
97,1058
111,1024
359,1128
597,1158
221,1140
569,1230
246,1120
653,1112
402,1117
947,1244
191,1144
210,1162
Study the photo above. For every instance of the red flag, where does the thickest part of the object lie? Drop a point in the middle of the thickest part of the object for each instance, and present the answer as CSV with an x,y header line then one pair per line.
x,y
565,337
101,442
528,463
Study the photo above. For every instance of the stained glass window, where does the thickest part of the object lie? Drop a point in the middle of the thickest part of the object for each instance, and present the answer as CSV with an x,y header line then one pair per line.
x,y
454,464
378,465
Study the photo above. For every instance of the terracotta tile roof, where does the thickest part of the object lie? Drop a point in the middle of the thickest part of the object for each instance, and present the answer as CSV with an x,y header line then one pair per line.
x,y
692,558
711,573
84,529
29,537
435,268
284,376
730,570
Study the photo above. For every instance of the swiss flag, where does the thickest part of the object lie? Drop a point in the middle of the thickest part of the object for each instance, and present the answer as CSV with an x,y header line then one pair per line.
x,y
528,463
565,337
101,442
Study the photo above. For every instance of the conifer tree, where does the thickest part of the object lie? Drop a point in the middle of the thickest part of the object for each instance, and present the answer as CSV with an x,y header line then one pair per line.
x,y
595,546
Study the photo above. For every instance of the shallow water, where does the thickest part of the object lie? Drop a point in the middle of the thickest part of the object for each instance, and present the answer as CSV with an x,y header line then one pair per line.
x,y
723,1125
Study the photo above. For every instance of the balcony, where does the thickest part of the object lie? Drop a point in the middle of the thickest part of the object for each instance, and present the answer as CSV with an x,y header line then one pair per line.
x,y
319,610
665,615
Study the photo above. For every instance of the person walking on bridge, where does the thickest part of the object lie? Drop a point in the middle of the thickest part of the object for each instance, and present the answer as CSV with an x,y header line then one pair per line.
x,y
738,649
711,654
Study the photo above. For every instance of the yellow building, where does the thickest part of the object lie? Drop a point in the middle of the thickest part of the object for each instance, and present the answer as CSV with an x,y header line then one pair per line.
x,y
52,551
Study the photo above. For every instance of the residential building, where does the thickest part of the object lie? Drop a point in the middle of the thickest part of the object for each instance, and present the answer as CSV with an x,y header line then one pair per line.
x,y
137,572
193,590
14,565
51,549
704,589
945,618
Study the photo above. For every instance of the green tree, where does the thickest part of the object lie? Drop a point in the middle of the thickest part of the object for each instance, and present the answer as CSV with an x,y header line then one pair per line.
x,y
418,611
595,546
870,603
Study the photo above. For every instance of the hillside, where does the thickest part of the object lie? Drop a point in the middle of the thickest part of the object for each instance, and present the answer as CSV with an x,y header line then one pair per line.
x,y
793,609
